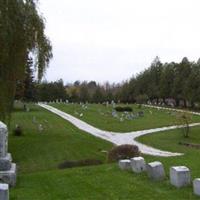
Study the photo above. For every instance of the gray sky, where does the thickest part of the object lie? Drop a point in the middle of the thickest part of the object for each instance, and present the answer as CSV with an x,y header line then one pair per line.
x,y
113,39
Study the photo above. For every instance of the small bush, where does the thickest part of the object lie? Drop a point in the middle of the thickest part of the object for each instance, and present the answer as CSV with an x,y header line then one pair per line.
x,y
125,151
79,163
123,109
17,131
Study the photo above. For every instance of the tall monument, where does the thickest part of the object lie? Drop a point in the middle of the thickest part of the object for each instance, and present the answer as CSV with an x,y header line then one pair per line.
x,y
7,168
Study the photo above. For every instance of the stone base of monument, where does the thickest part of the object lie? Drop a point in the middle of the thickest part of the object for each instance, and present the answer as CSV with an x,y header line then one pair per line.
x,y
9,176
124,164
138,164
8,170
180,176
4,192
155,171
196,186
5,162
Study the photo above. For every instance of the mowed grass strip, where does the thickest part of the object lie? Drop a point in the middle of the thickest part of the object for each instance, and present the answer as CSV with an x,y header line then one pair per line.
x,y
59,141
101,182
101,117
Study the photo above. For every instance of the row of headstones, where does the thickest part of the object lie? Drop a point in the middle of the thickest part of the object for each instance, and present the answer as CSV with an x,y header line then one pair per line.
x,y
179,175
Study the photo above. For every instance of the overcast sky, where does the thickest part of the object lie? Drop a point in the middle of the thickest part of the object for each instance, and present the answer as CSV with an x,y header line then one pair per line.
x,y
111,40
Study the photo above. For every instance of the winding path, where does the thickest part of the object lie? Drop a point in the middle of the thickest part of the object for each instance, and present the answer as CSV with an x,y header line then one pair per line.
x,y
117,137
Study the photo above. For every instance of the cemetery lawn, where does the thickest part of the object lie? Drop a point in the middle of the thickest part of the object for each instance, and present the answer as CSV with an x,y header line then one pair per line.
x,y
59,141
101,117
38,154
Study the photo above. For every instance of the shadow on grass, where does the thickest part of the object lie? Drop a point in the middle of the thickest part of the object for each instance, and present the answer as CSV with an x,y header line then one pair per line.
x,y
79,163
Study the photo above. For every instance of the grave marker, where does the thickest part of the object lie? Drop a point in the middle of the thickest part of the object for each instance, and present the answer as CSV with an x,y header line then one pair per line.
x,y
155,171
7,168
180,176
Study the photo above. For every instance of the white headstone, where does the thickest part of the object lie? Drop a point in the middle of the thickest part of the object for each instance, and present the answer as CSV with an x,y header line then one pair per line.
x,y
138,164
180,176
40,128
196,186
4,191
155,171
124,164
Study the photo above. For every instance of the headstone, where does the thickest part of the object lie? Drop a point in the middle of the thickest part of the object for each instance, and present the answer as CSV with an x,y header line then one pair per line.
x,y
7,168
196,186
155,171
121,119
114,114
124,164
9,176
113,103
180,176
5,162
4,191
40,128
27,109
138,164
3,140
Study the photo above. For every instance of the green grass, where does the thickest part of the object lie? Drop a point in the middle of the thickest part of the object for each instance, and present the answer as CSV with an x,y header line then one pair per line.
x,y
169,140
101,182
100,116
38,154
58,142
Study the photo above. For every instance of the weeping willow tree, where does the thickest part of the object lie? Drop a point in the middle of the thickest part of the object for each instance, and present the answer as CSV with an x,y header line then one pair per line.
x,y
21,37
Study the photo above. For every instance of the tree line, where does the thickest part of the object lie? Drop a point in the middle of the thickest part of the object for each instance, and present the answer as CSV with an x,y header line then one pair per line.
x,y
161,83
179,82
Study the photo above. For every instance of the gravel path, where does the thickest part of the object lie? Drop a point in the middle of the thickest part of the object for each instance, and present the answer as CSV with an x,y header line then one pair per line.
x,y
170,109
116,137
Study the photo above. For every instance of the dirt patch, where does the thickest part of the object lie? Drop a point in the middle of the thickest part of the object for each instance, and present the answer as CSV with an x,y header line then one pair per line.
x,y
191,145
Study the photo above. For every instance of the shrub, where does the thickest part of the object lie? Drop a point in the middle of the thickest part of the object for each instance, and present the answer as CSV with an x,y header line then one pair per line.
x,y
17,131
125,151
123,109
79,163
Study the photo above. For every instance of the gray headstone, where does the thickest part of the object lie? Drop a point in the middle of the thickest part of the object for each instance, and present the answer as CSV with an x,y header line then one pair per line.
x,y
124,164
4,191
7,168
9,176
180,176
155,171
5,162
196,186
138,164
3,140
